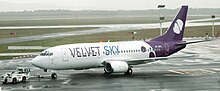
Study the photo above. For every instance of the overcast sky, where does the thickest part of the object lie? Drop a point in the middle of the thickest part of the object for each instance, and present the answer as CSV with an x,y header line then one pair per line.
x,y
20,5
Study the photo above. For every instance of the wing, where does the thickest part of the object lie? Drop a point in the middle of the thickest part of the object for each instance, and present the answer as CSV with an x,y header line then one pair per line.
x,y
145,60
148,60
192,42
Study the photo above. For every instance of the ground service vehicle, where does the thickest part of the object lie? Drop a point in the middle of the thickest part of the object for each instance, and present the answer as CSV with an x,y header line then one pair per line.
x,y
22,74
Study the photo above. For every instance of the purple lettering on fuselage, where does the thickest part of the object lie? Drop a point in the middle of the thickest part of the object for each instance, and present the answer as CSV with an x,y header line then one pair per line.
x,y
84,51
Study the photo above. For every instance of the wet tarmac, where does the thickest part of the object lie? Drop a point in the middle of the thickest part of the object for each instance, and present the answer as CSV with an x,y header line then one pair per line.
x,y
198,73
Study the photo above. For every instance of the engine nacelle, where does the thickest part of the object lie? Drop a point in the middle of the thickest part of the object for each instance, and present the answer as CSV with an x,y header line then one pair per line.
x,y
116,67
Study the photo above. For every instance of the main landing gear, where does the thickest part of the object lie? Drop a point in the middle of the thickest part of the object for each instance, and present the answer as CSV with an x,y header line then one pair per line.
x,y
53,75
129,71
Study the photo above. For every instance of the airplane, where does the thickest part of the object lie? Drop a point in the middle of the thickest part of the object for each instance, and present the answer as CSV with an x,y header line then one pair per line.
x,y
115,57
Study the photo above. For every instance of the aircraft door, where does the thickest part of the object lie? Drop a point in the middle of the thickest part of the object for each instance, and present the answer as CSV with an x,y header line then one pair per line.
x,y
166,46
52,61
65,56
51,58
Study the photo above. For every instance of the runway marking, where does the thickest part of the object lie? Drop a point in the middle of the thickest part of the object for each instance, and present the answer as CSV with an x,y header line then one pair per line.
x,y
178,72
194,71
215,69
66,82
207,71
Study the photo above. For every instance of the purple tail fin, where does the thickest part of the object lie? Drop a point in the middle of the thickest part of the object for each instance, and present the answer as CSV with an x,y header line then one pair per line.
x,y
176,29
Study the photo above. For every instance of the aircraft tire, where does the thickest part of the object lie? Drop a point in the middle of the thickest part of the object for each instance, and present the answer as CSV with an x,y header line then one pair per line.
x,y
107,72
54,75
129,72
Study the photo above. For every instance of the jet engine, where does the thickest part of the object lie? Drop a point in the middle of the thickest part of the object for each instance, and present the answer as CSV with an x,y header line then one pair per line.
x,y
116,67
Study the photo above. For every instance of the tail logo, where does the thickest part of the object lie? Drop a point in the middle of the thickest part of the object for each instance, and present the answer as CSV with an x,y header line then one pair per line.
x,y
178,26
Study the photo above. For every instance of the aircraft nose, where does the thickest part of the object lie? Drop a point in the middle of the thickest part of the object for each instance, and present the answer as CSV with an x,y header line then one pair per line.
x,y
36,62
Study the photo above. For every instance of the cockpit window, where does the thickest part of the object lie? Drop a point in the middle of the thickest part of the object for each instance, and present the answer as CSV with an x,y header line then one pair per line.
x,y
46,53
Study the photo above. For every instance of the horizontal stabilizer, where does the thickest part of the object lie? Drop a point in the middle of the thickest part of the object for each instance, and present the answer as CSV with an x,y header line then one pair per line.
x,y
192,42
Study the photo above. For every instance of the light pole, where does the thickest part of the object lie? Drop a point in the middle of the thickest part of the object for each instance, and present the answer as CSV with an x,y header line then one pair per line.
x,y
161,18
133,34
213,27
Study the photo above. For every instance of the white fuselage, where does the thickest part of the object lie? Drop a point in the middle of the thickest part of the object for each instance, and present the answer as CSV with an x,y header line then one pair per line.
x,y
90,55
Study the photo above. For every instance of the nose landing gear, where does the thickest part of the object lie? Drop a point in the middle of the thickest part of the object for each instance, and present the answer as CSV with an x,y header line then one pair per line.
x,y
54,75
